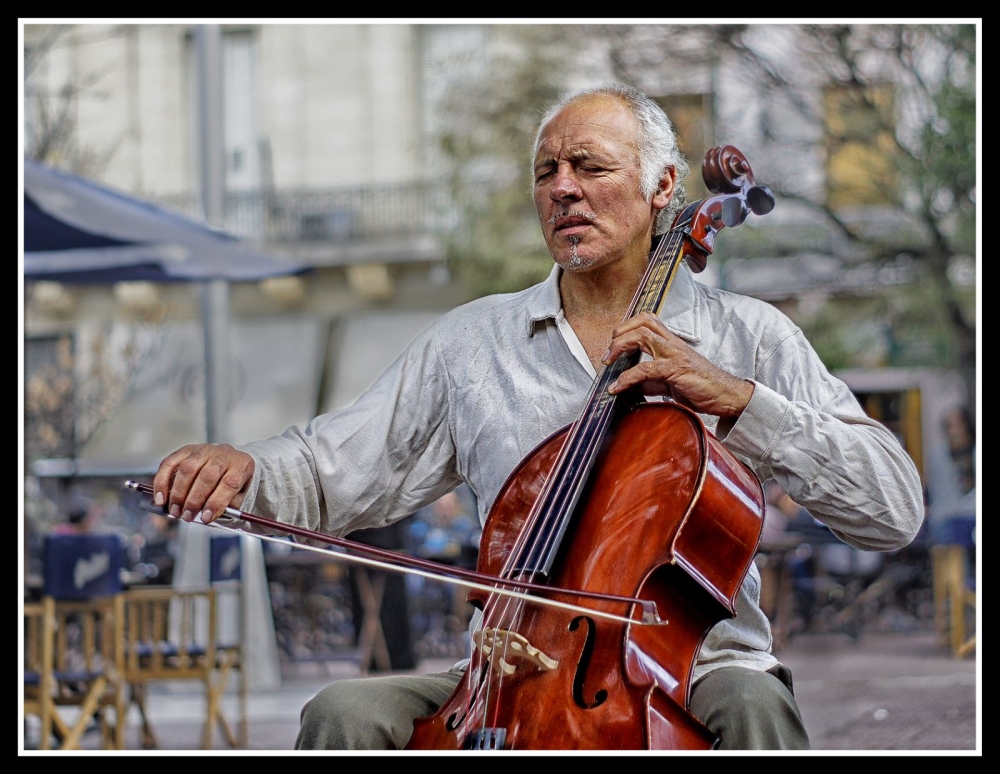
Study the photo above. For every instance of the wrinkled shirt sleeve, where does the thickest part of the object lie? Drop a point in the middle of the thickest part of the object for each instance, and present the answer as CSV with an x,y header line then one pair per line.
x,y
805,428
367,465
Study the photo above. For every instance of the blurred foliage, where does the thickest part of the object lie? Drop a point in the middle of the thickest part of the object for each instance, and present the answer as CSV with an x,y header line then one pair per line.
x,y
488,149
73,386
51,104
50,405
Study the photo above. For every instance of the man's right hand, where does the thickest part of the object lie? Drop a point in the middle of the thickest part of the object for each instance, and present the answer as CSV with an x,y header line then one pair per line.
x,y
205,478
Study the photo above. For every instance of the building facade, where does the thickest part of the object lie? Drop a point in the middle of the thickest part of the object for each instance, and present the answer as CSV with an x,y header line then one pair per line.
x,y
334,138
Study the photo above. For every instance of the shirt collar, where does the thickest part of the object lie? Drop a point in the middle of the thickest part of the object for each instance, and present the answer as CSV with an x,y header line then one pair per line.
x,y
544,302
680,313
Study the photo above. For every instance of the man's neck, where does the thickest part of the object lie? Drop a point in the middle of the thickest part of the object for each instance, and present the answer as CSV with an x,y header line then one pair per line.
x,y
595,303
605,292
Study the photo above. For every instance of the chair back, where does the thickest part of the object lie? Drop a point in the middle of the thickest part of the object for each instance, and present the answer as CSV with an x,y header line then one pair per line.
x,y
211,657
82,566
34,651
225,557
81,639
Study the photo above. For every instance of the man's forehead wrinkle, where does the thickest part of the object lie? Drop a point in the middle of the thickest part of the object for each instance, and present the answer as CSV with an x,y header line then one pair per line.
x,y
572,144
577,151
590,122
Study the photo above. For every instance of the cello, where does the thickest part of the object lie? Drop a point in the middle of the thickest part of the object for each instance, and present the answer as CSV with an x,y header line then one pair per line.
x,y
635,500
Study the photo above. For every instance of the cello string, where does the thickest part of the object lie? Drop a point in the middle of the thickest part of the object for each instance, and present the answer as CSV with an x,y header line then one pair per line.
x,y
647,298
583,441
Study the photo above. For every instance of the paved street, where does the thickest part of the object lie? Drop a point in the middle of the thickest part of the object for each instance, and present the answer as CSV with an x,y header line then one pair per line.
x,y
886,692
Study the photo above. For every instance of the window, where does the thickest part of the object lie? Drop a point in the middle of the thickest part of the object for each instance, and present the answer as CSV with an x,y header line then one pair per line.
x,y
244,152
240,110
860,146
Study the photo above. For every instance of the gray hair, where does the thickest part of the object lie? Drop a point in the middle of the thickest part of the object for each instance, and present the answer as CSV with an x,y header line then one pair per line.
x,y
657,143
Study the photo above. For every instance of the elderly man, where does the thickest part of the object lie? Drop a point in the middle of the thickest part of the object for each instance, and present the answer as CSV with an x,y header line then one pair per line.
x,y
477,391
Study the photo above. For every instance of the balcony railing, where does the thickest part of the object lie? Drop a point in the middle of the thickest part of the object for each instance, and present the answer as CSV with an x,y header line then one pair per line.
x,y
333,215
359,218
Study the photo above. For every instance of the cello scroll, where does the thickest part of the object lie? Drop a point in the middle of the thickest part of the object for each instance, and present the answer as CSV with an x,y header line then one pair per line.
x,y
728,175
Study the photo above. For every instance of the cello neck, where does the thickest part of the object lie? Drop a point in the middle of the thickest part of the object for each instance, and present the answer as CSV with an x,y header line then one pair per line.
x,y
538,547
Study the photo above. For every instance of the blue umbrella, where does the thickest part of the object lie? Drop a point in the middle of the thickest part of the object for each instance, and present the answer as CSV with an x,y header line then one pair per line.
x,y
76,231
79,232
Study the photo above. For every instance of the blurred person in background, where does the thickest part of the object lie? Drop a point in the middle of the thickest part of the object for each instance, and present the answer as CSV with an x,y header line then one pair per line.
x,y
951,487
83,517
952,479
157,548
494,378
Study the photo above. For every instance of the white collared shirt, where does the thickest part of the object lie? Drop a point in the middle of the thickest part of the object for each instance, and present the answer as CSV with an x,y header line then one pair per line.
x,y
476,392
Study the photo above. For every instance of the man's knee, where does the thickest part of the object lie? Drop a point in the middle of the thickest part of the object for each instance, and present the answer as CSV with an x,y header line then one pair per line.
x,y
345,716
371,713
749,710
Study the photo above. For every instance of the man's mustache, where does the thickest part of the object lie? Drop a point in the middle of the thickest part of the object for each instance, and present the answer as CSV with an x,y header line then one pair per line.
x,y
571,214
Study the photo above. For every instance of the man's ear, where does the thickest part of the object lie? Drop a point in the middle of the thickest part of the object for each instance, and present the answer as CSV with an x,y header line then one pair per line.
x,y
665,188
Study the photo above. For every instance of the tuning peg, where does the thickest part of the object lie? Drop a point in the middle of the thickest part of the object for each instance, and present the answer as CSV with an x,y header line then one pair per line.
x,y
734,211
760,200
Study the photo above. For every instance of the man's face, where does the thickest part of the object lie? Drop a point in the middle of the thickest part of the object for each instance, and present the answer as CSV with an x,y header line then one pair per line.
x,y
586,186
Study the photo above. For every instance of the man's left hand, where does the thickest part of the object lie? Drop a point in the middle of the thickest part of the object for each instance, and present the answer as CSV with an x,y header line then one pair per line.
x,y
676,370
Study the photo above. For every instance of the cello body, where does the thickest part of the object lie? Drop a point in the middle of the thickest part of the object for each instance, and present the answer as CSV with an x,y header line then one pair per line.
x,y
668,515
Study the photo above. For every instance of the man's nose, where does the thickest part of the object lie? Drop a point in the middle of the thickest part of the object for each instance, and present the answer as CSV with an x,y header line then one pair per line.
x,y
565,186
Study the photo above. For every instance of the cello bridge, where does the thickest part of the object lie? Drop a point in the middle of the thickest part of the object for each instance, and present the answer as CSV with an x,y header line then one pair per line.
x,y
499,645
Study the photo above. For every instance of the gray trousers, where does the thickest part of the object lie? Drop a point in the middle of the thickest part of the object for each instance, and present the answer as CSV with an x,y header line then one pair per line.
x,y
748,709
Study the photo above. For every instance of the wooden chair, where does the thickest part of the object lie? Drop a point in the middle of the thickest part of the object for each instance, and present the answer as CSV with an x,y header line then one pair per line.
x,y
174,634
36,654
161,643
954,598
73,649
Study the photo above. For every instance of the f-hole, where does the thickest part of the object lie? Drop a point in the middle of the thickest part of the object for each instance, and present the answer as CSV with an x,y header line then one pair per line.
x,y
581,668
455,720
